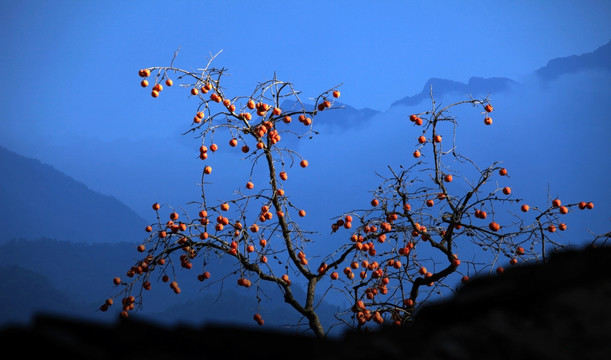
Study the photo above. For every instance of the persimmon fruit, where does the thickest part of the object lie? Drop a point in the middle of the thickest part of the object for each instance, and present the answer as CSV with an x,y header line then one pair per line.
x,y
494,226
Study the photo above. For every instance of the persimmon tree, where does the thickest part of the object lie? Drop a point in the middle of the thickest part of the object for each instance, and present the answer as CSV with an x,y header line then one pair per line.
x,y
394,253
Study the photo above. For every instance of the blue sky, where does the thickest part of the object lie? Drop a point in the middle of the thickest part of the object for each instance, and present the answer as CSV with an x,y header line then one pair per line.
x,y
71,96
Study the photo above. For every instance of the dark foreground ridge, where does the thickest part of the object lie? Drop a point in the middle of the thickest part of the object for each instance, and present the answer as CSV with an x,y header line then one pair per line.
x,y
560,310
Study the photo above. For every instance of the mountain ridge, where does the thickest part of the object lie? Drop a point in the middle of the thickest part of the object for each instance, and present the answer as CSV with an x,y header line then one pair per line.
x,y
39,200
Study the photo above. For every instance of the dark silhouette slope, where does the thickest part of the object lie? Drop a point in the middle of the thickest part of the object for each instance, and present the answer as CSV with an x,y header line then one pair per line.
x,y
557,311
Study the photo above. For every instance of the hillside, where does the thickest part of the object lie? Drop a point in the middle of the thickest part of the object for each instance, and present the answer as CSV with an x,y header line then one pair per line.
x,y
38,200
539,311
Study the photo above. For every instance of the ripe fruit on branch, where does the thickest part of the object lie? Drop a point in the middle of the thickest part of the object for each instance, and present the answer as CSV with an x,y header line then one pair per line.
x,y
503,172
480,214
250,185
144,83
437,138
488,120
416,154
488,108
144,73
430,202
303,163
524,208
169,82
520,250
207,170
494,226
422,139
156,206
564,210
448,178
194,91
415,119
507,190
556,203
283,175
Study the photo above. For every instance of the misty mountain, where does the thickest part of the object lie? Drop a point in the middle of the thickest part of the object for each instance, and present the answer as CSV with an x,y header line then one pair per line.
x,y
74,279
38,200
597,59
475,86
24,292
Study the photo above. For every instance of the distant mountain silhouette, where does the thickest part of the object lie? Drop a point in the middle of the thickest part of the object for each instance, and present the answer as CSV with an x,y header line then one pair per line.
x,y
475,86
478,86
38,200
597,59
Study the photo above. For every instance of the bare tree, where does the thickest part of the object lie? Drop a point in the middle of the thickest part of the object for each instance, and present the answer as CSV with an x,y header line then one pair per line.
x,y
416,210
